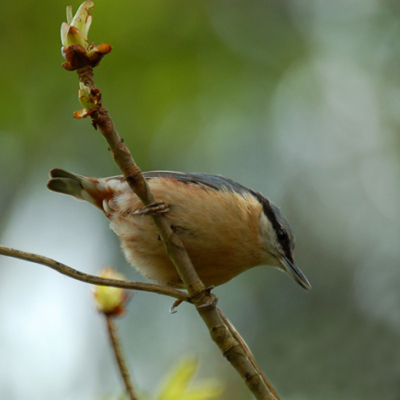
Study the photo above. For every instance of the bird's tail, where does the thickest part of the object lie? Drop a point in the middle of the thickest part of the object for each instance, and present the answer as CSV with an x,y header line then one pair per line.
x,y
78,186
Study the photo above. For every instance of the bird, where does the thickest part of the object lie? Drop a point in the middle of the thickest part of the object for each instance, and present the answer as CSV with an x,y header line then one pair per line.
x,y
225,227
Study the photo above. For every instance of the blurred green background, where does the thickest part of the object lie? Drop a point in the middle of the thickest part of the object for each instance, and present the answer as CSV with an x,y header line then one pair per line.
x,y
297,99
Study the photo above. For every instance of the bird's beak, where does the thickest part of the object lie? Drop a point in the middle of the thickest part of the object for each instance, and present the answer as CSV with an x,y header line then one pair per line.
x,y
294,272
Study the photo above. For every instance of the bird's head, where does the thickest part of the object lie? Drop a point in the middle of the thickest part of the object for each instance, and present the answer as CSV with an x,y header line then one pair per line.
x,y
278,242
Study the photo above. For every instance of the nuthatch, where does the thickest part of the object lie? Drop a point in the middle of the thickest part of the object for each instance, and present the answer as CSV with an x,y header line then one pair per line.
x,y
225,227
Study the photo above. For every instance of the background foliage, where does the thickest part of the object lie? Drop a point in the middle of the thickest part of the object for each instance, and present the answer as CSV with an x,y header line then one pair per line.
x,y
296,99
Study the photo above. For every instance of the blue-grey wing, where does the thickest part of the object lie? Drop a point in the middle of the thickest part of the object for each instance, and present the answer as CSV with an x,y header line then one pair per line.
x,y
216,182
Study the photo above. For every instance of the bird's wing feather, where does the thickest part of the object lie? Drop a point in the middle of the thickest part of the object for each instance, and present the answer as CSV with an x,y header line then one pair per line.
x,y
216,182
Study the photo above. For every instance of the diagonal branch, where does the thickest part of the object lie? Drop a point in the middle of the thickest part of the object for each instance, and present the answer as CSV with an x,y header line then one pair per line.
x,y
246,349
205,302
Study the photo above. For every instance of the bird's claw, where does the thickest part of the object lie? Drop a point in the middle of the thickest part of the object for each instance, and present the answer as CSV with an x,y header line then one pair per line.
x,y
211,302
152,209
175,304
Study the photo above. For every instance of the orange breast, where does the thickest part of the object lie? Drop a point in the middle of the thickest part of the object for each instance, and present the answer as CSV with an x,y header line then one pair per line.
x,y
219,229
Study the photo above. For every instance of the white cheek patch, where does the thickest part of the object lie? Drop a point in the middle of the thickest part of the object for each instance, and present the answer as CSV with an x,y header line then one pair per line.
x,y
268,237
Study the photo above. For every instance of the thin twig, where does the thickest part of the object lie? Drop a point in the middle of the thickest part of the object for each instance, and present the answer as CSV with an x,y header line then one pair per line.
x,y
123,369
204,301
93,279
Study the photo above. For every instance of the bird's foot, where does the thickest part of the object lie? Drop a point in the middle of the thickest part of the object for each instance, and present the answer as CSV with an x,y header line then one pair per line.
x,y
152,209
212,300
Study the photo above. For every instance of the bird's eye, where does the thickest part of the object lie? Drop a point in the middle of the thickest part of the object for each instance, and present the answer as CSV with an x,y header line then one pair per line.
x,y
282,236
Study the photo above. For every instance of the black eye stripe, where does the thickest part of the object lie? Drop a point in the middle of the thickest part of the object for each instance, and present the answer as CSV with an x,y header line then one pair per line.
x,y
282,235
285,238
